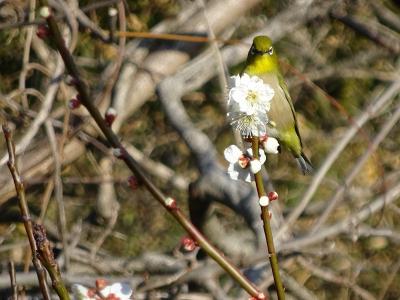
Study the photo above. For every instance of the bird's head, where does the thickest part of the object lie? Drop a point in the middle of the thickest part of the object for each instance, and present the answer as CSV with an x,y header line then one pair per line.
x,y
262,55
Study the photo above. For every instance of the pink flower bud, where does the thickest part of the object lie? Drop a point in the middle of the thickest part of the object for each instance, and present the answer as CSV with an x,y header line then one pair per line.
x,y
112,296
273,196
101,283
260,296
110,116
74,103
42,31
91,293
171,203
133,182
188,244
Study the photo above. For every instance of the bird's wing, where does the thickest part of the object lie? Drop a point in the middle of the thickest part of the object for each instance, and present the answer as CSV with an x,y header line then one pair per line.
x,y
285,89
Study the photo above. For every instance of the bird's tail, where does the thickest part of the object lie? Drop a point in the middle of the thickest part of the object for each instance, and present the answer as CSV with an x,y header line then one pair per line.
x,y
305,164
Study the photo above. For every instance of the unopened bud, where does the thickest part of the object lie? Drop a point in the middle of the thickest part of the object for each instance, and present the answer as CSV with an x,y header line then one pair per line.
x,y
188,244
260,296
273,196
170,203
74,103
263,201
91,293
101,284
255,166
118,152
271,145
110,116
112,12
133,182
42,31
44,12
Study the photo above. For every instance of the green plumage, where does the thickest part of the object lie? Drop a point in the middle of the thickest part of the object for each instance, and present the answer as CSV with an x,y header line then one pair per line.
x,y
262,61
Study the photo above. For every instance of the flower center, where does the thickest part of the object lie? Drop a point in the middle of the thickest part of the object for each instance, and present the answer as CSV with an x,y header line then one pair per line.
x,y
251,96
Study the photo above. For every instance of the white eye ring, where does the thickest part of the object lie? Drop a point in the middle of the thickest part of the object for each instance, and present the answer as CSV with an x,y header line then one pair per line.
x,y
270,51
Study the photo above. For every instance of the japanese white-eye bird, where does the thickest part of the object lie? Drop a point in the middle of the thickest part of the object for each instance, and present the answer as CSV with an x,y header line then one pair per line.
x,y
262,61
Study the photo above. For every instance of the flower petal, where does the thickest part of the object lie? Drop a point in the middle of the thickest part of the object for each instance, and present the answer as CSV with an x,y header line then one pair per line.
x,y
121,290
232,154
238,95
255,166
81,292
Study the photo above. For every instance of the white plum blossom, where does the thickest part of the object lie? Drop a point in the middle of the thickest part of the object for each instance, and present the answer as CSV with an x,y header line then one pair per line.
x,y
242,166
120,291
249,101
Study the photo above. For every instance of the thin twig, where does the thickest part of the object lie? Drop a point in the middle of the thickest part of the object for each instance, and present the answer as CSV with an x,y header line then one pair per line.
x,y
13,280
374,107
42,115
27,50
45,200
175,37
330,276
58,191
338,195
344,225
265,215
389,280
23,206
104,234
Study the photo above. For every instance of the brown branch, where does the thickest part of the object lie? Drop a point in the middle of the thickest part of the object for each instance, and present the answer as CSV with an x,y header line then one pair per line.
x,y
23,206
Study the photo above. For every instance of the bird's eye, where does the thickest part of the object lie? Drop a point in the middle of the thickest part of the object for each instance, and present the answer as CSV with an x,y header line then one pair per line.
x,y
252,50
270,51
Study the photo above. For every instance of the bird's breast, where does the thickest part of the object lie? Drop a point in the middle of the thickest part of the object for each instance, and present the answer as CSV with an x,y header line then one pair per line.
x,y
280,115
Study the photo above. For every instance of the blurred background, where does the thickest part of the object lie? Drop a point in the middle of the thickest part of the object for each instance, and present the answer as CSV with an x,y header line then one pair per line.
x,y
337,231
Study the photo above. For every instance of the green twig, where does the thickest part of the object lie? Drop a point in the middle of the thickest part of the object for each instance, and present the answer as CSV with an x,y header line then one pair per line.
x,y
265,215
168,203
23,207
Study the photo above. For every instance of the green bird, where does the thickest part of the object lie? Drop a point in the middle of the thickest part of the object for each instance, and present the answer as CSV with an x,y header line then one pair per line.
x,y
262,61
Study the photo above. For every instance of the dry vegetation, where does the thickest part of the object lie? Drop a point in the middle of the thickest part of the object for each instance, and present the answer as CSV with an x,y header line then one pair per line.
x,y
337,231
